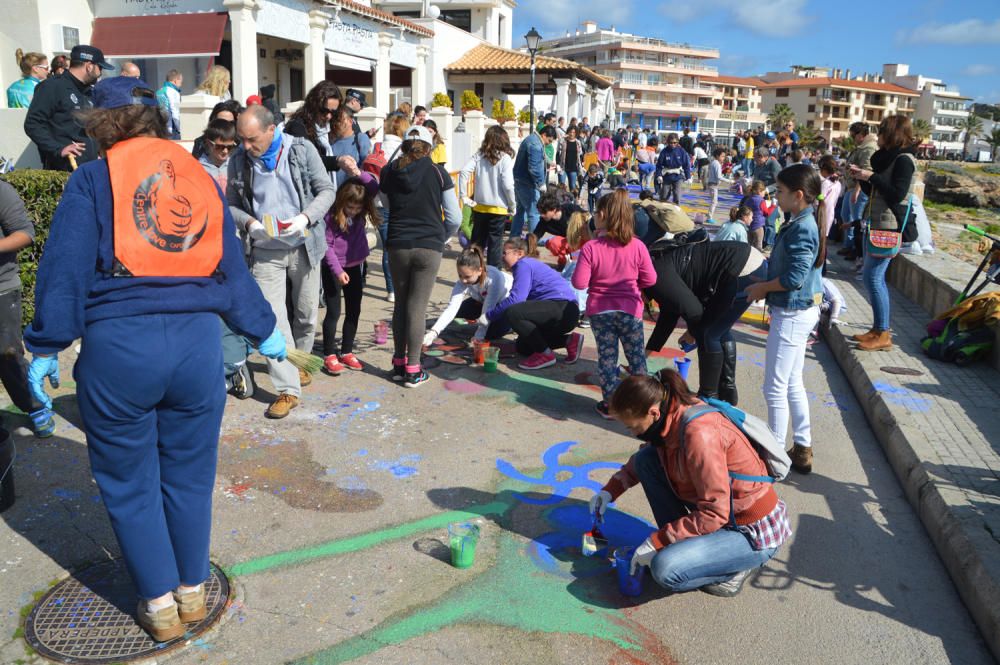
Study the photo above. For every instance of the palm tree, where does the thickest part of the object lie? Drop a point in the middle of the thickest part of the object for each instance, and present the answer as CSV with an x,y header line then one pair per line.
x,y
972,126
780,116
808,137
993,138
921,130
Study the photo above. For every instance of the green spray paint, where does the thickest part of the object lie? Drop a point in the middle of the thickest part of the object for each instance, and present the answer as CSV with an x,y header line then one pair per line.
x,y
511,593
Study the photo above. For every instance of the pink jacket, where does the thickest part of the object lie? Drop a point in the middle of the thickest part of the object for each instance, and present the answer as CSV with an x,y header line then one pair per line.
x,y
613,275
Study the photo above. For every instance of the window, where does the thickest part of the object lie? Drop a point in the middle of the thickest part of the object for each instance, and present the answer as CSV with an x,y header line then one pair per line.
x,y
781,92
460,18
809,123
812,108
812,92
836,126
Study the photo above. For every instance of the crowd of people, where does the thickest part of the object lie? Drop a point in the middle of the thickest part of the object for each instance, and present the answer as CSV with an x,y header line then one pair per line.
x,y
289,210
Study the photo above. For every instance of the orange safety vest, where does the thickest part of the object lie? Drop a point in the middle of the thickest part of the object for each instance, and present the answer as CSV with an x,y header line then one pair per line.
x,y
167,211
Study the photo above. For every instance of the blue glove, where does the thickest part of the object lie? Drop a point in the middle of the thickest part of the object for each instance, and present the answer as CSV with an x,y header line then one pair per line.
x,y
41,367
274,346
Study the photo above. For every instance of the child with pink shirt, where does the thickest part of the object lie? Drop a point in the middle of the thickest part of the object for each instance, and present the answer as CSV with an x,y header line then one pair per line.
x,y
614,267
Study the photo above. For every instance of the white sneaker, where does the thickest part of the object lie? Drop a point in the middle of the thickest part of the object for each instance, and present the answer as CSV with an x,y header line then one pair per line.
x,y
392,297
911,248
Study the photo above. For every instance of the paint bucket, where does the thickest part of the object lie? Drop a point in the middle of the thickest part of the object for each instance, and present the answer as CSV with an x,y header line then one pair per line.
x,y
381,332
479,351
683,366
7,454
628,584
462,540
491,356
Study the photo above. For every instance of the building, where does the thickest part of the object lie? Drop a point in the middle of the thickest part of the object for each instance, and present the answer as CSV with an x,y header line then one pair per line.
x,y
657,84
942,106
738,107
831,103
492,21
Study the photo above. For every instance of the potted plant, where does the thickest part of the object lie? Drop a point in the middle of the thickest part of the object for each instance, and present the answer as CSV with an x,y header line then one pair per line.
x,y
524,116
503,111
471,102
441,100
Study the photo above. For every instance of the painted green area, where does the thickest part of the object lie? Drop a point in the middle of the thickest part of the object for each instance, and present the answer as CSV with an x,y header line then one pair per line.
x,y
512,593
366,540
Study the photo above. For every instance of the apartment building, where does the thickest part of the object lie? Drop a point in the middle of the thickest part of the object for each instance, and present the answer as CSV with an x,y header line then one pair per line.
x,y
832,103
658,84
942,106
737,108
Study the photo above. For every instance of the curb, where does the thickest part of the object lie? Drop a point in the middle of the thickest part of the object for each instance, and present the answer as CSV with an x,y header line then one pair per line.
x,y
960,543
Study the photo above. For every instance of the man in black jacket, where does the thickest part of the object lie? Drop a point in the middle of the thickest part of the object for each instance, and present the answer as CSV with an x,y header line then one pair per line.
x,y
50,123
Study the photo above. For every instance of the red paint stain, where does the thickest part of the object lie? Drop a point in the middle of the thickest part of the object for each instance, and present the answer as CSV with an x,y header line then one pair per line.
x,y
668,352
653,652
588,380
463,387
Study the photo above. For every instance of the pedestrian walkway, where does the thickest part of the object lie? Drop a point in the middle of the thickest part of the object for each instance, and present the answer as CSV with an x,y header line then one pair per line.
x,y
938,426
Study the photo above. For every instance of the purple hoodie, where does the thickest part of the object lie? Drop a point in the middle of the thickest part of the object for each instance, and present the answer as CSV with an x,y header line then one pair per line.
x,y
348,248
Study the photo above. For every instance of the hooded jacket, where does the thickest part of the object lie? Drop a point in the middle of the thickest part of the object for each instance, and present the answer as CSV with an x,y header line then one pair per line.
x,y
417,195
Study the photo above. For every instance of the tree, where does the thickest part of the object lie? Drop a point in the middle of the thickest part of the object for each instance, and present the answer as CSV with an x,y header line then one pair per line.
x,y
972,126
781,115
921,130
846,143
993,138
808,137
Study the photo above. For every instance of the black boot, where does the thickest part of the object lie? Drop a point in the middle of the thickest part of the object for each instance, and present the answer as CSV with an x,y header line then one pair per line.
x,y
727,380
709,371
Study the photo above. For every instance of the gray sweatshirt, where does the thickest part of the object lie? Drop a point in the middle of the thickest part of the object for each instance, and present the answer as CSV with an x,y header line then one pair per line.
x,y
13,218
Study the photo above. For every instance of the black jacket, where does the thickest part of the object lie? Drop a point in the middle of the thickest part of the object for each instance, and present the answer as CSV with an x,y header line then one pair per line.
x,y
51,123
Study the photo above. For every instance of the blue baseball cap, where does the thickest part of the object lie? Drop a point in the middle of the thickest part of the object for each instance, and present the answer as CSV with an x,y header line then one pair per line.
x,y
121,91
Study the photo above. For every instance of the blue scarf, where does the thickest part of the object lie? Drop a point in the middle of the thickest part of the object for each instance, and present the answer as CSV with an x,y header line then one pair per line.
x,y
270,158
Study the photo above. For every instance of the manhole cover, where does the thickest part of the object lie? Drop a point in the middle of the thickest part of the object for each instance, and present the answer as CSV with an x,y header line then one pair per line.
x,y
88,618
903,371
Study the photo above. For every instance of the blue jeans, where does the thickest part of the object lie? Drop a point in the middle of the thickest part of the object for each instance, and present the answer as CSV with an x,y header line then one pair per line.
x,y
648,172
570,177
770,233
383,232
852,212
725,309
526,195
874,277
747,166
694,562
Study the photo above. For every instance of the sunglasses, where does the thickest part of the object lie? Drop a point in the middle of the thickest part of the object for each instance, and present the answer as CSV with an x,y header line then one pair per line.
x,y
222,147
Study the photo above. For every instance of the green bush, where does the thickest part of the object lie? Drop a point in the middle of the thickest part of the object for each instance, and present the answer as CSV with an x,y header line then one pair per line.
x,y
947,167
40,191
992,169
440,100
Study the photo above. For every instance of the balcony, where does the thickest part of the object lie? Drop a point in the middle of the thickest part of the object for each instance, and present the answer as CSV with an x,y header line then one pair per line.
x,y
655,64
670,106
875,101
834,99
683,88
578,42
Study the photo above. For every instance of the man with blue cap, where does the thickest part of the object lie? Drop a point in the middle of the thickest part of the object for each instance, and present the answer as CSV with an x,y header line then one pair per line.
x,y
141,262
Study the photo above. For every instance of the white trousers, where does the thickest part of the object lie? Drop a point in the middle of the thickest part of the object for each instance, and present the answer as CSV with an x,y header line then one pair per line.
x,y
784,390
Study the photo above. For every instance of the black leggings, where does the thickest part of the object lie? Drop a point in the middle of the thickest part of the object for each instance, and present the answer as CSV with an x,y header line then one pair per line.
x,y
542,324
414,272
353,291
488,231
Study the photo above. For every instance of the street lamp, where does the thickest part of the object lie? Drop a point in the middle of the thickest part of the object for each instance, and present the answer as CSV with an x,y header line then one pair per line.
x,y
631,98
532,39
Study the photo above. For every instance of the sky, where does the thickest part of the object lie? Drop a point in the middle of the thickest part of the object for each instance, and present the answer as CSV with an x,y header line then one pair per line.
x,y
957,41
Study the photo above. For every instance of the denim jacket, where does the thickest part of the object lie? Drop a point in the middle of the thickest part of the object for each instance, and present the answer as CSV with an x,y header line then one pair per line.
x,y
529,165
792,262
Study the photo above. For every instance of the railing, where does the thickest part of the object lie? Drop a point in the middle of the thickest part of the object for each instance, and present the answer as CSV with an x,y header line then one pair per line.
x,y
696,88
658,63
576,41
622,104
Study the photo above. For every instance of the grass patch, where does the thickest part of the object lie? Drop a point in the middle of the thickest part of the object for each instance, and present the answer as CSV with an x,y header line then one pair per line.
x,y
948,207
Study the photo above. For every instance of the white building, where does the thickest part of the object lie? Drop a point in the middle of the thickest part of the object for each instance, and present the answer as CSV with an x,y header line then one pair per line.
x,y
942,106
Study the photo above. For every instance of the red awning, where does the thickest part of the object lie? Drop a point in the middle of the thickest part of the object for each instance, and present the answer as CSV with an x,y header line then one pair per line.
x,y
167,36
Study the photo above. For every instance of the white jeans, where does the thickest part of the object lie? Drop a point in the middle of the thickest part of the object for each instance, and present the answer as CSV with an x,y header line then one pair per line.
x,y
784,389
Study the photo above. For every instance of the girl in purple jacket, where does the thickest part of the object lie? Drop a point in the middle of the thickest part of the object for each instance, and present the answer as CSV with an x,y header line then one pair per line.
x,y
342,269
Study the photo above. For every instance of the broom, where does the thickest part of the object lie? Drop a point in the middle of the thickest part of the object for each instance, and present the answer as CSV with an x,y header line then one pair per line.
x,y
305,361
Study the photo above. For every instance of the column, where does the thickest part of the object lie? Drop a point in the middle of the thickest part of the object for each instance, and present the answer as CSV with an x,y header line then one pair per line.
x,y
418,79
562,97
242,16
381,82
315,55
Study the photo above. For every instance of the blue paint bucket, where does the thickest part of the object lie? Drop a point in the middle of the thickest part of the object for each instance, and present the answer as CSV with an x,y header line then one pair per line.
x,y
628,584
683,366
7,455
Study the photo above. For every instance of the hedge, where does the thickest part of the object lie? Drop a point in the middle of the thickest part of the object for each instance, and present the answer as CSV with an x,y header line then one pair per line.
x,y
40,191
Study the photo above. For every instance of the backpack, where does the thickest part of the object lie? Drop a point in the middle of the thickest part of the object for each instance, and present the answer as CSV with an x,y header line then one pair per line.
x,y
375,161
753,428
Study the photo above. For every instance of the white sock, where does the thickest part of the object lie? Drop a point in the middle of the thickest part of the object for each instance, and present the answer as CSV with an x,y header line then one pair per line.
x,y
161,604
189,589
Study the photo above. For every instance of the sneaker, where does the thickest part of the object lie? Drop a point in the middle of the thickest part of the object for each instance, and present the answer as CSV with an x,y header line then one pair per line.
x,y
414,379
538,360
732,586
398,372
243,386
162,625
574,347
191,605
584,322
350,361
802,458
602,410
43,423
911,248
332,365
305,378
282,406
392,297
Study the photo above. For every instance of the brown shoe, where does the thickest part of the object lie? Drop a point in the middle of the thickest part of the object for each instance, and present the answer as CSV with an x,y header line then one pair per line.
x,y
882,341
282,406
864,337
191,605
802,458
162,625
305,378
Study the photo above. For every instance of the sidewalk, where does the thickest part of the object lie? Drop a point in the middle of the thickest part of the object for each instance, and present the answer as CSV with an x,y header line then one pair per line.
x,y
941,434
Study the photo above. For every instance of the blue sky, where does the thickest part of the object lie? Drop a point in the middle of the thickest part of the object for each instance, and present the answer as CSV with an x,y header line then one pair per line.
x,y
954,40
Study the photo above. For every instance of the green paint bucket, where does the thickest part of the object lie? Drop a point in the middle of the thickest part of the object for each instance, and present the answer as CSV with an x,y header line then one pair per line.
x,y
491,356
462,540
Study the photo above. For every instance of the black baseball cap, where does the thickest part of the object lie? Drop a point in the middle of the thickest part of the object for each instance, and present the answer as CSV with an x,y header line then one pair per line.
x,y
92,54
120,91
358,95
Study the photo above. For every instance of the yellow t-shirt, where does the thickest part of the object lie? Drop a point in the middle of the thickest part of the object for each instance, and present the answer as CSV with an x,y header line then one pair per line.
x,y
439,155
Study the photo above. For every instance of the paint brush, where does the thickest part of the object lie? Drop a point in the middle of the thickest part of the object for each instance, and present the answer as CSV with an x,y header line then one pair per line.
x,y
594,540
305,361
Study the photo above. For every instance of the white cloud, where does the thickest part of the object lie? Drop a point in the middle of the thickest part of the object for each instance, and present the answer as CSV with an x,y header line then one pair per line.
x,y
969,31
979,70
777,18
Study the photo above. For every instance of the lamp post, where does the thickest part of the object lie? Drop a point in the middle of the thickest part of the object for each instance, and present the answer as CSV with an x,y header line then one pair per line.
x,y
631,98
532,39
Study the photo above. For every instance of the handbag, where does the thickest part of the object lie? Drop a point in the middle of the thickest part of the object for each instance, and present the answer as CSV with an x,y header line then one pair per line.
x,y
884,244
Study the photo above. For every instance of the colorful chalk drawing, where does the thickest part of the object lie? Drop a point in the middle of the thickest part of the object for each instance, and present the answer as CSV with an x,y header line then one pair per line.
x,y
554,475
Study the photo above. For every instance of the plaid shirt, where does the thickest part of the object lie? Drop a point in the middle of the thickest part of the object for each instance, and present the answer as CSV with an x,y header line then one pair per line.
x,y
771,530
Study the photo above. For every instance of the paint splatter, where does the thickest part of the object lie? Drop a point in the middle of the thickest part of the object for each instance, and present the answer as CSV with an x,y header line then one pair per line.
x,y
902,397
464,387
400,468
562,478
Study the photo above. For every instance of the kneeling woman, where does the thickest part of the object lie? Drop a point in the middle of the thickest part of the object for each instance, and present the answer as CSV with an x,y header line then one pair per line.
x,y
479,288
713,529
541,308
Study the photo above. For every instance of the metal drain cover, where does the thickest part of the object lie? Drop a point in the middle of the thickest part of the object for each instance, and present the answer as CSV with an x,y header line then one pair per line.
x,y
88,618
902,371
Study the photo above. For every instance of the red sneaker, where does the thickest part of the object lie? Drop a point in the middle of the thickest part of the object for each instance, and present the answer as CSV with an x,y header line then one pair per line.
x,y
538,360
333,365
350,361
574,347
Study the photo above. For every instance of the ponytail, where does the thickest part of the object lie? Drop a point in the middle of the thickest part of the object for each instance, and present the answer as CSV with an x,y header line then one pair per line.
x,y
821,223
27,61
529,246
19,57
637,394
472,257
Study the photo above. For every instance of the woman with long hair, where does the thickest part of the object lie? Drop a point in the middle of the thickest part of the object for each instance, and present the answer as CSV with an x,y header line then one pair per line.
x,y
216,83
34,69
151,368
493,198
419,193
439,155
349,147
312,121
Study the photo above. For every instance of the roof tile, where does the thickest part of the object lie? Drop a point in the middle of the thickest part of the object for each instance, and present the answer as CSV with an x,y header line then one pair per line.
x,y
489,58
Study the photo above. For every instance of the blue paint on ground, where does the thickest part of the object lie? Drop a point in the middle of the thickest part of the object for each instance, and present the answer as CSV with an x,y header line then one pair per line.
x,y
902,397
400,468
